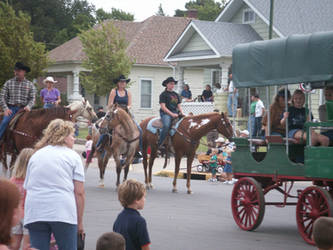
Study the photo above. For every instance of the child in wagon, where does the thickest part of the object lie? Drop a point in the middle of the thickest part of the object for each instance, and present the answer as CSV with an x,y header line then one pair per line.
x,y
297,117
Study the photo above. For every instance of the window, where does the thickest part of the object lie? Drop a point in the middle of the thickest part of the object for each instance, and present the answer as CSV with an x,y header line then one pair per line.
x,y
248,16
146,93
216,80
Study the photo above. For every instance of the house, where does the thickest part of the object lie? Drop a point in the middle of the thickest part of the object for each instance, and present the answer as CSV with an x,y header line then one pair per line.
x,y
149,42
209,44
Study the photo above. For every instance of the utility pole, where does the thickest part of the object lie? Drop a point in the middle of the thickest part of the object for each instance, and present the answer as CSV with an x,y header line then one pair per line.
x,y
270,34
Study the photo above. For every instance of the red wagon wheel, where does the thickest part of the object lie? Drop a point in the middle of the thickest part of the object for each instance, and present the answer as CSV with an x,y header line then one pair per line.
x,y
312,203
248,203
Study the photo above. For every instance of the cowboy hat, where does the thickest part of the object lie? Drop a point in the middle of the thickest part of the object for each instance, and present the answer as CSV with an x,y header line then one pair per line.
x,y
169,79
220,139
21,66
49,79
121,78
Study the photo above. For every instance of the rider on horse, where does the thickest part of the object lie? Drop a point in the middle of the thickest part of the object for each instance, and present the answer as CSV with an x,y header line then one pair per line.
x,y
120,96
17,93
170,107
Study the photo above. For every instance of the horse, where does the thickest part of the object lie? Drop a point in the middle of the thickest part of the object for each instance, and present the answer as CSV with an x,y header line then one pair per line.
x,y
125,141
185,141
29,127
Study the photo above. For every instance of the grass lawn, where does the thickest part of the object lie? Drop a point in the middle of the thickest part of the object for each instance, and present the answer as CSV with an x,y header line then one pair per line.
x,y
202,148
83,132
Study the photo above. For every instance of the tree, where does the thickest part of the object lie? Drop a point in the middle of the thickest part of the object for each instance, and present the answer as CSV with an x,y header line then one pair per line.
x,y
116,14
160,11
17,44
105,49
207,9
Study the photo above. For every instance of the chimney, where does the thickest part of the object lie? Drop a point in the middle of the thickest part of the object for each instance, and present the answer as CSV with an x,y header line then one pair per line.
x,y
192,13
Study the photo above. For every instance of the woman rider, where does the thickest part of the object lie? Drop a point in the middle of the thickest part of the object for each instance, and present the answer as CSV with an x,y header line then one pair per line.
x,y
50,96
170,107
120,96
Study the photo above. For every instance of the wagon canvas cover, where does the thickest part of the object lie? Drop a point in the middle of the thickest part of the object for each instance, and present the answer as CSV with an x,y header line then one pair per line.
x,y
295,59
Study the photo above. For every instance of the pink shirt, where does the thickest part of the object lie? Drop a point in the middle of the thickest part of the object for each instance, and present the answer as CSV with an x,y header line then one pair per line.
x,y
19,183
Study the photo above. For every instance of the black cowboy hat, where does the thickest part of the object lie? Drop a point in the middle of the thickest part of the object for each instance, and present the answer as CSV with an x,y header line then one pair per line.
x,y
121,78
169,79
20,65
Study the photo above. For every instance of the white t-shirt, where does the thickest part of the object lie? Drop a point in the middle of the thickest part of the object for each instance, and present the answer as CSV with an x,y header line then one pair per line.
x,y
50,187
259,108
88,145
231,87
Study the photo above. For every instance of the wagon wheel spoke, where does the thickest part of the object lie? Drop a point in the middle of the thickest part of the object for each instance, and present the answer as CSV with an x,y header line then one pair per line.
x,y
324,212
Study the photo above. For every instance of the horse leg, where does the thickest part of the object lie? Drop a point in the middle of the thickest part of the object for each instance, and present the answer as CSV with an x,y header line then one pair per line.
x,y
144,162
118,167
177,163
153,156
189,170
101,170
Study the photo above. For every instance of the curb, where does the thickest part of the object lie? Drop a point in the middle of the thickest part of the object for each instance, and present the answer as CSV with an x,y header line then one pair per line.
x,y
183,175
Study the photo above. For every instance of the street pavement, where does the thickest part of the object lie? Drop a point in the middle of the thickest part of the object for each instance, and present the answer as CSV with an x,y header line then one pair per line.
x,y
178,221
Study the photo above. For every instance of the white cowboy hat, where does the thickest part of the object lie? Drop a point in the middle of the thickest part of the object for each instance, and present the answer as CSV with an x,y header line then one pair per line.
x,y
49,79
246,132
220,139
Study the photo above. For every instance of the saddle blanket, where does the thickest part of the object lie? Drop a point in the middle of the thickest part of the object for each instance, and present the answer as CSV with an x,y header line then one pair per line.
x,y
154,130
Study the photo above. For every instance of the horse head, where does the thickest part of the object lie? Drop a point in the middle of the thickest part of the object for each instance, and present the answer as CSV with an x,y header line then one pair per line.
x,y
112,117
82,108
224,126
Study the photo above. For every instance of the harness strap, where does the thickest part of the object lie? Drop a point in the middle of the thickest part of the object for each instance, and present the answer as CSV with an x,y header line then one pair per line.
x,y
23,134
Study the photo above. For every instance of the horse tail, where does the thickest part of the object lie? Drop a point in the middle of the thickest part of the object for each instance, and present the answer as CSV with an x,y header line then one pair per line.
x,y
166,156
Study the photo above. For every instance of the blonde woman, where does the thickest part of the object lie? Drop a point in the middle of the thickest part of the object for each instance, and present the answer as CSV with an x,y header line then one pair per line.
x,y
55,191
20,233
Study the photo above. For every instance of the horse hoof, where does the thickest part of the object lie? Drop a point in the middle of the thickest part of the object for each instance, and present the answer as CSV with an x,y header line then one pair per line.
x,y
174,190
189,192
151,186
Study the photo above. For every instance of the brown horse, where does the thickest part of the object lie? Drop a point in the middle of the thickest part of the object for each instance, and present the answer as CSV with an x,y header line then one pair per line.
x,y
29,127
125,141
185,141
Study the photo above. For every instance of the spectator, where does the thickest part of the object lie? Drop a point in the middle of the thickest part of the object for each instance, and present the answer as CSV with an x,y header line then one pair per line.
x,y
76,129
186,94
111,241
207,94
213,164
244,133
251,122
259,113
20,168
50,95
232,98
322,233
10,211
227,170
55,194
129,222
100,112
276,111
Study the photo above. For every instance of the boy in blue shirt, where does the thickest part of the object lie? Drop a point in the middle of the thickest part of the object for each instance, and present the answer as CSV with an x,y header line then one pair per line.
x,y
129,222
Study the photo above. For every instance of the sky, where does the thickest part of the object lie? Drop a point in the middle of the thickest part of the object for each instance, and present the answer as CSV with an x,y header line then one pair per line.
x,y
141,9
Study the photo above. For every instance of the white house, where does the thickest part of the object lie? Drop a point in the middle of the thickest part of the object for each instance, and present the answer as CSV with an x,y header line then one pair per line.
x,y
209,44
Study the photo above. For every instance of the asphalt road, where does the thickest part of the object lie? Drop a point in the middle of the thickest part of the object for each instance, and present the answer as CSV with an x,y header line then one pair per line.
x,y
180,221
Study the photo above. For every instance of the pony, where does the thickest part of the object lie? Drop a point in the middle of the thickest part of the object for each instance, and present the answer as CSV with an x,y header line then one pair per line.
x,y
125,141
185,141
29,126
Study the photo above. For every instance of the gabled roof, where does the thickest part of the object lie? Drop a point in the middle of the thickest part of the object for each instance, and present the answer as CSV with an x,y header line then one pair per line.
x,y
148,41
219,36
290,16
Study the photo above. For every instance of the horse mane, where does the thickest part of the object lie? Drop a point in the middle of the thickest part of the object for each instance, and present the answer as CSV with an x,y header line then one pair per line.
x,y
124,117
48,113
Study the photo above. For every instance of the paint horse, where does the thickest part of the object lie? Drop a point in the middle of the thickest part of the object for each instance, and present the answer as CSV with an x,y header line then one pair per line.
x,y
125,141
185,141
29,127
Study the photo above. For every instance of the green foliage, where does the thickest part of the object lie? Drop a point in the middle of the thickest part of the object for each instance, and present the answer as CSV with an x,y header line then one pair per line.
x,y
105,49
160,11
207,9
115,14
17,44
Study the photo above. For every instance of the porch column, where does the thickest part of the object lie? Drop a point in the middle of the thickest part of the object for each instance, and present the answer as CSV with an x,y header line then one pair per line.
x,y
180,83
221,98
75,96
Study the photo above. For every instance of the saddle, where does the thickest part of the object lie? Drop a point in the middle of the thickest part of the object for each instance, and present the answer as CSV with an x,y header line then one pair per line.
x,y
157,123
15,119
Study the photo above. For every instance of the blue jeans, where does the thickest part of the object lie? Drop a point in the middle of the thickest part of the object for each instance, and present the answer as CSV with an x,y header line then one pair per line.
x,y
48,105
6,119
232,104
250,124
257,126
166,120
40,234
